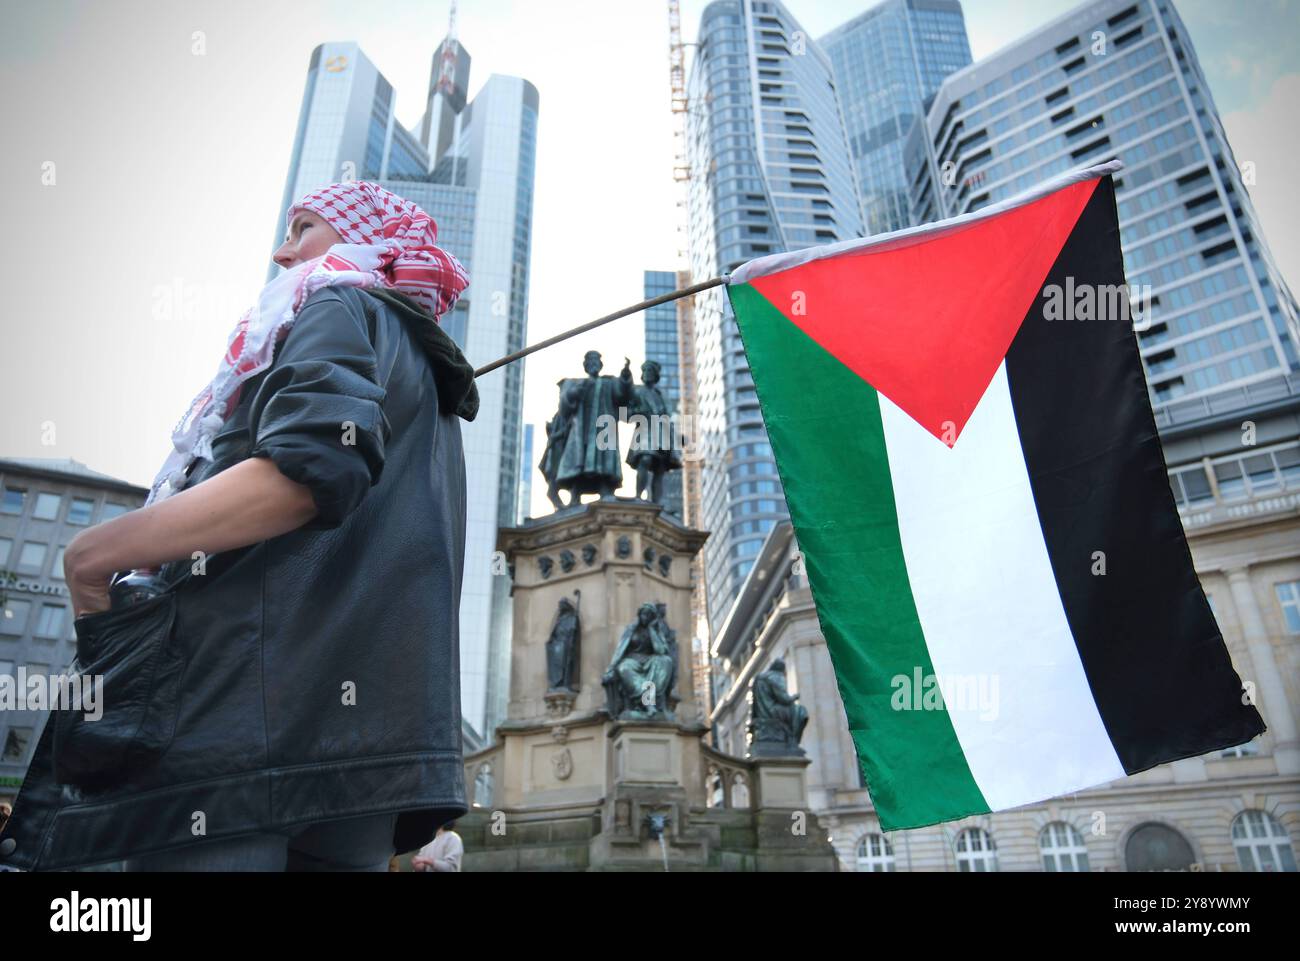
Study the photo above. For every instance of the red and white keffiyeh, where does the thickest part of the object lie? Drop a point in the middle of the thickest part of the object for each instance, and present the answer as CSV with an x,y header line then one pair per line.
x,y
388,241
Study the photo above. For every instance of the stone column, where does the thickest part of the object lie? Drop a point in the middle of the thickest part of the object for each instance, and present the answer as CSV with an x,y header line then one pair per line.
x,y
1270,693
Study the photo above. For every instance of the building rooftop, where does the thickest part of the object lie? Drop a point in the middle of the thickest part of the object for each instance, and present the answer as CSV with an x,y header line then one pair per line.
x,y
67,467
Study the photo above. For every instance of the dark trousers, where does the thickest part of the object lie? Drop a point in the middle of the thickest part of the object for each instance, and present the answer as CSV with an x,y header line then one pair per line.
x,y
351,844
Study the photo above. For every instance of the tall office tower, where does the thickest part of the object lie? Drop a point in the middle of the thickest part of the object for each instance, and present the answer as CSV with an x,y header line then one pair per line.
x,y
488,168
692,499
687,406
769,171
471,168
525,476
1119,79
661,344
448,94
888,64
346,130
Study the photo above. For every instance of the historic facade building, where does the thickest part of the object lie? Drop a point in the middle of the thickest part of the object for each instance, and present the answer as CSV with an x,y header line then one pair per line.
x,y
45,504
1236,810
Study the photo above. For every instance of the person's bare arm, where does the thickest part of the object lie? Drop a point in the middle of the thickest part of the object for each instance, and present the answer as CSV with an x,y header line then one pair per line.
x,y
316,430
244,504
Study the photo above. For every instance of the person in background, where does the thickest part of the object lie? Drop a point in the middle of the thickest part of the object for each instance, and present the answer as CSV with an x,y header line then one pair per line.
x,y
443,853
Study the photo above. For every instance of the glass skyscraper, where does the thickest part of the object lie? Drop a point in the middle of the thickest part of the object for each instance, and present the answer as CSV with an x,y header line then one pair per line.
x,y
661,344
471,167
888,63
1119,79
525,476
769,171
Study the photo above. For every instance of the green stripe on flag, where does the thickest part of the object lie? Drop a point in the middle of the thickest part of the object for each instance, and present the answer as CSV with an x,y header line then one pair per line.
x,y
824,425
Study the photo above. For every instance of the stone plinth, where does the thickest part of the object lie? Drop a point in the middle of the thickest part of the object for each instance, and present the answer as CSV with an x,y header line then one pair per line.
x,y
565,786
782,782
617,554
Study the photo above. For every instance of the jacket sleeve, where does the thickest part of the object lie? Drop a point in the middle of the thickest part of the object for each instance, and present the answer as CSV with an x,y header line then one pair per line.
x,y
318,413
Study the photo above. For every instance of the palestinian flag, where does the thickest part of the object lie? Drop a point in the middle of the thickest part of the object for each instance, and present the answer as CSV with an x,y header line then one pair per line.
x,y
979,493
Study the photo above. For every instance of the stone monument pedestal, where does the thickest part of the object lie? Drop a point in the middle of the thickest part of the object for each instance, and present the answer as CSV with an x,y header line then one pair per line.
x,y
567,786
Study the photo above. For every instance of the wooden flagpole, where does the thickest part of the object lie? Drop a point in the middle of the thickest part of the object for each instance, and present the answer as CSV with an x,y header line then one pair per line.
x,y
652,302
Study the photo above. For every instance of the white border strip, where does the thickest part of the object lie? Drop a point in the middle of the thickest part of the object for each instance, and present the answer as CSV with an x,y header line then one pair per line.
x,y
773,263
990,609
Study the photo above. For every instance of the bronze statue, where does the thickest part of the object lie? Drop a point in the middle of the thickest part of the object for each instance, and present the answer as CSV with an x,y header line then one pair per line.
x,y
562,649
643,670
653,451
661,612
581,453
777,721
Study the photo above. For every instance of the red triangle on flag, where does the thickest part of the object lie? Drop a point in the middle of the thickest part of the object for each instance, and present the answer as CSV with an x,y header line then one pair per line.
x,y
928,322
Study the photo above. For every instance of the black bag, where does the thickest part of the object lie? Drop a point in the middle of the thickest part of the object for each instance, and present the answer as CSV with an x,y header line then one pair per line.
x,y
133,650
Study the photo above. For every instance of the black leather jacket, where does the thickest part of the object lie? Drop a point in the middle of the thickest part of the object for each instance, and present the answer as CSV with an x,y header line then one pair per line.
x,y
314,675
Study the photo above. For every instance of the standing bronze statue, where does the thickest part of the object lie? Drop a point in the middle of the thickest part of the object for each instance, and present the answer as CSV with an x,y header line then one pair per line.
x,y
653,451
581,453
562,649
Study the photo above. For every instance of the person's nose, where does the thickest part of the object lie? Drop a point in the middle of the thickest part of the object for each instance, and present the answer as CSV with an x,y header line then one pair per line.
x,y
284,256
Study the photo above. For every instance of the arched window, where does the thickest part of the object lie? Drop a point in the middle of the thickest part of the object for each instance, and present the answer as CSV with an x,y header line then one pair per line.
x,y
739,791
1157,847
483,786
1262,843
875,853
976,851
713,790
1062,848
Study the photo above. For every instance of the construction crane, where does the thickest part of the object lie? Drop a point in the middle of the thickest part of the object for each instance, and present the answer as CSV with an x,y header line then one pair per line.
x,y
677,82
691,467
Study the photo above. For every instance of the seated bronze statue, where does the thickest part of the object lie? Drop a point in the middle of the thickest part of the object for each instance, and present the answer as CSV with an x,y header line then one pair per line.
x,y
643,671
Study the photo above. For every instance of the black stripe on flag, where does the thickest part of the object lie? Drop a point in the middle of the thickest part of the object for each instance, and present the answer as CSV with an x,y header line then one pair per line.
x,y
1160,673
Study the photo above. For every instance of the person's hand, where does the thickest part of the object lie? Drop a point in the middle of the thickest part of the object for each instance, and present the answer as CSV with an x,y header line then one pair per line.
x,y
87,587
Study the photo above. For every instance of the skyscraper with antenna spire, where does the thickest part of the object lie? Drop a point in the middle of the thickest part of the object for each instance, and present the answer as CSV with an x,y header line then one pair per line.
x,y
479,190
448,88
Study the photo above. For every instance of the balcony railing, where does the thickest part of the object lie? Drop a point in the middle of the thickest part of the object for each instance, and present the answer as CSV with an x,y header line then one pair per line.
x,y
1277,388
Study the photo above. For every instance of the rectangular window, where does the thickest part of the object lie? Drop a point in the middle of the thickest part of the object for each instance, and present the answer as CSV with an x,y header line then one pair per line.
x,y
13,500
1231,483
112,510
1288,463
6,548
56,570
1191,486
14,619
79,512
1259,469
1288,595
31,559
50,622
47,506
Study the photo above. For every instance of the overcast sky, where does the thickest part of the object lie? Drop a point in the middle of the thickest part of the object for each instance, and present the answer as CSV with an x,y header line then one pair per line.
x,y
169,168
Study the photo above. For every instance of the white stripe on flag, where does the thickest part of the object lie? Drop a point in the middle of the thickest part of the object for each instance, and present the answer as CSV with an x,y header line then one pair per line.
x,y
990,608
